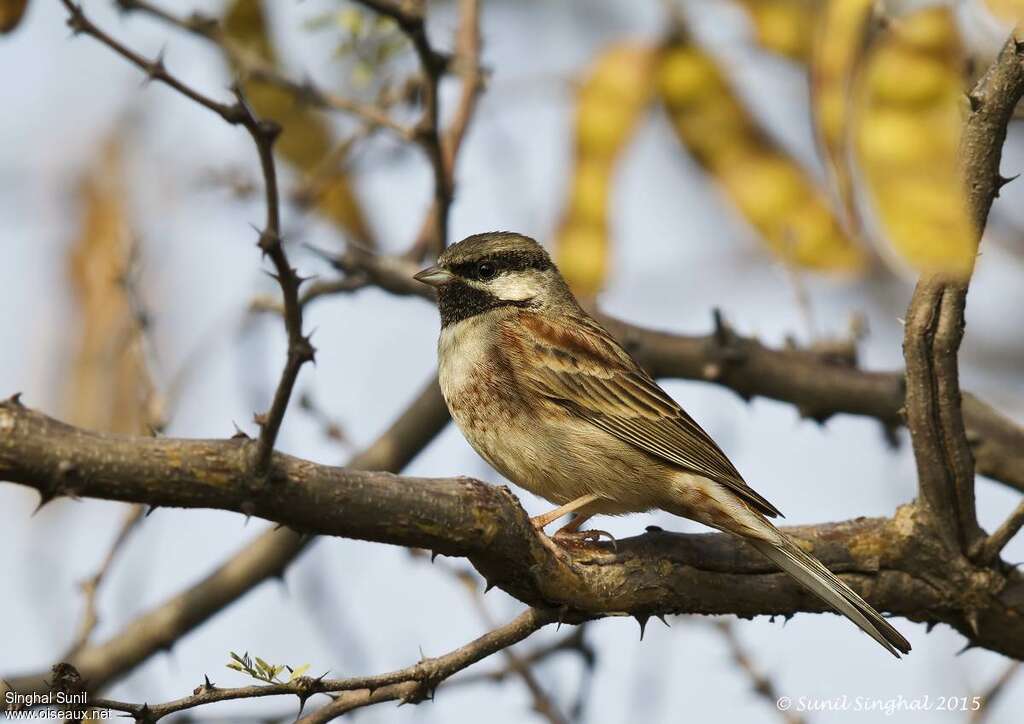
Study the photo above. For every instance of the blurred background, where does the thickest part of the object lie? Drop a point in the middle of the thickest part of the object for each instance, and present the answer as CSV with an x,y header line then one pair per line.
x,y
759,157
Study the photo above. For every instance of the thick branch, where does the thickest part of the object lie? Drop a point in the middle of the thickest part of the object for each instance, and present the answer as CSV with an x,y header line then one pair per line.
x,y
894,563
935,322
266,557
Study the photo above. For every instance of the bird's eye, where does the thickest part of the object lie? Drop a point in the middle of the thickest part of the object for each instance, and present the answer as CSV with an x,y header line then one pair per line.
x,y
486,270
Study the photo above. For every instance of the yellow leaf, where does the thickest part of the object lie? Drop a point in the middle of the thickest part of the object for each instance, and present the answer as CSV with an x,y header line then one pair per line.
x,y
766,186
306,140
783,26
611,100
907,132
839,40
108,386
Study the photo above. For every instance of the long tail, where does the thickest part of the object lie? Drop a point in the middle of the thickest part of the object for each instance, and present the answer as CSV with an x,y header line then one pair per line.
x,y
813,576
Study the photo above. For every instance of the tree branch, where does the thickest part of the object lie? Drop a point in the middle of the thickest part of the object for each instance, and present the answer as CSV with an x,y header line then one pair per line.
x,y
896,564
410,685
263,133
266,557
252,66
410,15
935,322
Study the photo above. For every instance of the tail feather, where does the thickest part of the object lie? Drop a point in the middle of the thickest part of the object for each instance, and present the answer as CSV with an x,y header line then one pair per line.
x,y
815,577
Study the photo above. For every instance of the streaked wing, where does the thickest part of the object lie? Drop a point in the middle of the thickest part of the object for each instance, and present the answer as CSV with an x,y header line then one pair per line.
x,y
581,367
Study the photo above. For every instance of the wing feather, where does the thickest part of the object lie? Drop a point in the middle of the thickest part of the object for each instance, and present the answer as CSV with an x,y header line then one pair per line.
x,y
581,367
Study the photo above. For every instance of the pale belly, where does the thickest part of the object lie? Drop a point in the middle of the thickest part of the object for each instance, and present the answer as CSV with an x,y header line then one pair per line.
x,y
541,449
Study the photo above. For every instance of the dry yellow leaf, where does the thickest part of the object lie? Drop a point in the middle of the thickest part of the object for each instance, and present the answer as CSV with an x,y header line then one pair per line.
x,y
611,100
839,41
108,384
908,122
1009,11
306,140
766,186
783,26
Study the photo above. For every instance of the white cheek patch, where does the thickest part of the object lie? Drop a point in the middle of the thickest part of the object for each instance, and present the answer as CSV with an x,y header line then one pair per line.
x,y
514,287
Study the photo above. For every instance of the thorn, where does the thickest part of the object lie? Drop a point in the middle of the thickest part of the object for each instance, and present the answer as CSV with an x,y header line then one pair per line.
x,y
268,241
721,330
268,129
930,625
240,434
44,498
302,705
661,618
150,509
971,616
305,350
1003,180
14,400
975,102
207,683
967,647
642,619
561,616
433,556
155,70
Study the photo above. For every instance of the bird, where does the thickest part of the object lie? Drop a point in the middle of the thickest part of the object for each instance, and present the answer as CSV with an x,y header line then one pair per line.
x,y
555,404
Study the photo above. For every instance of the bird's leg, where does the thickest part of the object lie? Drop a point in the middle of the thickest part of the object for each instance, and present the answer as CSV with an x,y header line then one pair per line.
x,y
541,521
571,533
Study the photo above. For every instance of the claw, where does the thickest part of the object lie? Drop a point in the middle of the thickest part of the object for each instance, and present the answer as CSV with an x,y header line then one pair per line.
x,y
580,537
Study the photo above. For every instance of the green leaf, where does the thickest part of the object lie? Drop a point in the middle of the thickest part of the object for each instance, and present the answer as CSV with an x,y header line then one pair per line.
x,y
296,673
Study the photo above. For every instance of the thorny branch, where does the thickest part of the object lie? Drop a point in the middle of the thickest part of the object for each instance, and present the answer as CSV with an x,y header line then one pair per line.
x,y
253,67
411,19
897,564
935,324
263,133
260,560
408,685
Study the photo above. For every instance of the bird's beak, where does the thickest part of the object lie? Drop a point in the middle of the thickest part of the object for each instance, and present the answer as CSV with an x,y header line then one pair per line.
x,y
435,276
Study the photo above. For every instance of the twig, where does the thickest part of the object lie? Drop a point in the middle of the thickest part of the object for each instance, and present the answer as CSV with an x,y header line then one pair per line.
x,y
994,691
763,686
410,17
263,133
253,67
418,682
994,544
572,642
90,587
411,684
542,702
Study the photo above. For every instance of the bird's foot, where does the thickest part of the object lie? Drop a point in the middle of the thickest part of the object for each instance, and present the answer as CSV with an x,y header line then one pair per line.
x,y
583,538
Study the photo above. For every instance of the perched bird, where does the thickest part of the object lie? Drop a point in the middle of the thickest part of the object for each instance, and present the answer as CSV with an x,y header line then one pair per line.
x,y
546,396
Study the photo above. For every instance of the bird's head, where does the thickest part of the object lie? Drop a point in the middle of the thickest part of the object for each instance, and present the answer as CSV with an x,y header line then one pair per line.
x,y
494,270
